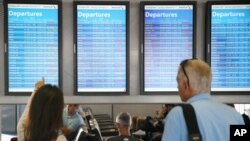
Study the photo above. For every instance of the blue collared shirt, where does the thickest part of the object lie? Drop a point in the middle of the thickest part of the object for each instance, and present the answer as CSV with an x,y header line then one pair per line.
x,y
214,120
74,122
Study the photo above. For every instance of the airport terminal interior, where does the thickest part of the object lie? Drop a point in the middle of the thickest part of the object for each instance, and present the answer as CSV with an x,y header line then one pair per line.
x,y
136,78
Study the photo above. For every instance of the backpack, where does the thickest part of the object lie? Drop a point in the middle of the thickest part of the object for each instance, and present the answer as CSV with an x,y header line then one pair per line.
x,y
191,122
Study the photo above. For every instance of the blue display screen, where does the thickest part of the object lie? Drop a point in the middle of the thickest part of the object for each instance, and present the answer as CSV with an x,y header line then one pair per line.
x,y
101,48
168,39
32,45
230,47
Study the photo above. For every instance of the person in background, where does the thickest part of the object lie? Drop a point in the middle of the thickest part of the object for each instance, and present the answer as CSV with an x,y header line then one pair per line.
x,y
162,113
72,121
42,117
214,119
154,126
123,123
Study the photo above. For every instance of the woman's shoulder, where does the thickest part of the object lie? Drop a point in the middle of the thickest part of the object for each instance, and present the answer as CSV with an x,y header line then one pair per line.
x,y
61,138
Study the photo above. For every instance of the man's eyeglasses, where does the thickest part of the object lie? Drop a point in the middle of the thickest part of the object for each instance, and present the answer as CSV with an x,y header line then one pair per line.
x,y
183,65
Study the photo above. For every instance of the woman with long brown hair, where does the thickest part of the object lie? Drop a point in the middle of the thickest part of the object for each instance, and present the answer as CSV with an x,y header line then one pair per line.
x,y
42,117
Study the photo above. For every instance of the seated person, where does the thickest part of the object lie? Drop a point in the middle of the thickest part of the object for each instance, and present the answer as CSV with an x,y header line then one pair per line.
x,y
162,113
72,121
154,126
123,123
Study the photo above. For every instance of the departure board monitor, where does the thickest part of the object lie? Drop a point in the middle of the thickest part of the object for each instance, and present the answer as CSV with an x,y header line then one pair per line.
x,y
32,44
101,47
228,46
167,38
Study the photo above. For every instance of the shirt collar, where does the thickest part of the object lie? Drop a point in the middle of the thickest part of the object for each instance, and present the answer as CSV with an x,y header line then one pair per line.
x,y
202,96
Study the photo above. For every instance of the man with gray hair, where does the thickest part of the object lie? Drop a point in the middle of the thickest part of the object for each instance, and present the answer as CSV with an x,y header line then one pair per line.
x,y
213,118
123,123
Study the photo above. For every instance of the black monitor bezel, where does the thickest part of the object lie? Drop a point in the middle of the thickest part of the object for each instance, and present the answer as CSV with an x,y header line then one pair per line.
x,y
208,37
142,5
6,42
97,93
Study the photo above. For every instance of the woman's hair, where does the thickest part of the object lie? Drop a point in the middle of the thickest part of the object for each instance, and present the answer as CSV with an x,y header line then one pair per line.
x,y
45,114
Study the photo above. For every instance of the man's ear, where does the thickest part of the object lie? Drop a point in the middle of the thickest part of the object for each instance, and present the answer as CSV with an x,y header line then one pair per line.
x,y
186,85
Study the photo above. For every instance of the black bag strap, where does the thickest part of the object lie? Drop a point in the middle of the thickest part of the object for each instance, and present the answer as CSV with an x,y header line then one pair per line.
x,y
191,122
246,119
